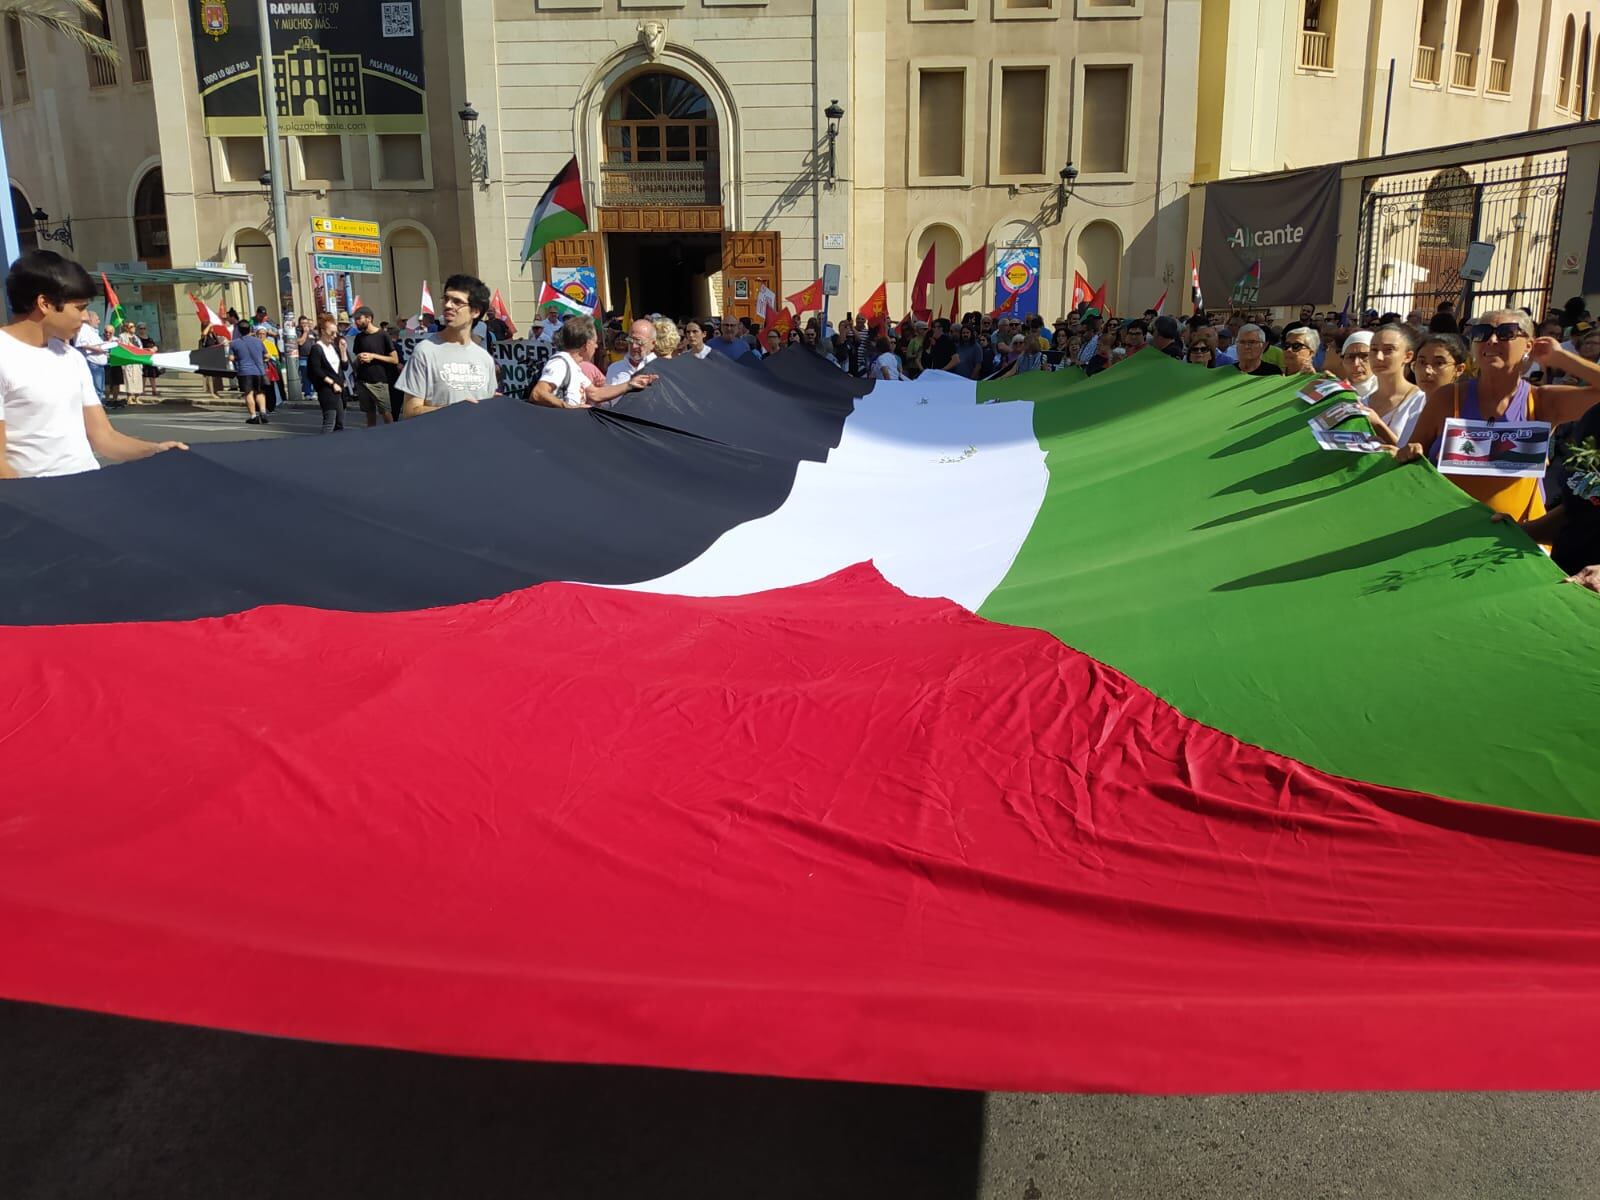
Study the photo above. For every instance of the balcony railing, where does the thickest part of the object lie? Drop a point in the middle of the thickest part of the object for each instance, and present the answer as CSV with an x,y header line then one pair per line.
x,y
1427,64
1499,77
668,183
141,64
102,72
1464,74
1316,50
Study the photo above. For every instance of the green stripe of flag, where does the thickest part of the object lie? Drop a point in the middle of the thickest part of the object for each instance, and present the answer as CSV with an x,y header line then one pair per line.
x,y
1364,618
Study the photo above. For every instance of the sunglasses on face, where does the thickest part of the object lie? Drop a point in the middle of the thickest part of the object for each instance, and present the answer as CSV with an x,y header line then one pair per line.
x,y
1296,347
1482,333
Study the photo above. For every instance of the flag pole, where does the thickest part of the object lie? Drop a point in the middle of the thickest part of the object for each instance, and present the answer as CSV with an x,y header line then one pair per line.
x,y
290,363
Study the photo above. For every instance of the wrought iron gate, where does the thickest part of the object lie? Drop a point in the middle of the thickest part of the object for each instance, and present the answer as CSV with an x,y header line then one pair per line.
x,y
1415,230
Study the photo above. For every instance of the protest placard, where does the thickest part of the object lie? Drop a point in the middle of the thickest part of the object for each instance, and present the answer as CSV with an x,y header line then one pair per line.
x,y
1511,451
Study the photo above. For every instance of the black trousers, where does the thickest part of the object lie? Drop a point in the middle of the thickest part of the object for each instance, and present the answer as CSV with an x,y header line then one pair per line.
x,y
332,404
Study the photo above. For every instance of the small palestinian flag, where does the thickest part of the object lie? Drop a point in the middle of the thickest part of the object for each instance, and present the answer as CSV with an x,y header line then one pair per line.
x,y
1248,289
549,297
560,212
113,305
213,360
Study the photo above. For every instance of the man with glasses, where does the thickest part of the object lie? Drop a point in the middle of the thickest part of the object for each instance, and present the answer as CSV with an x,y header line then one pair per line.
x,y
448,367
641,350
1251,344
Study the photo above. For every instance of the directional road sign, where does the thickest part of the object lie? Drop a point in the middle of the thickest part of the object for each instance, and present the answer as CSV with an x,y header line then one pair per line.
x,y
355,264
324,243
344,228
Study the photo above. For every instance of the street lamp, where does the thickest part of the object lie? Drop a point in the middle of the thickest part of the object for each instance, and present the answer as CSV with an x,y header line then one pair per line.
x,y
477,139
45,232
835,114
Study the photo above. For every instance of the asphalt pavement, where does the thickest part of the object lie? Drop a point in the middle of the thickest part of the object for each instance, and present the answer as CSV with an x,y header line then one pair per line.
x,y
94,1106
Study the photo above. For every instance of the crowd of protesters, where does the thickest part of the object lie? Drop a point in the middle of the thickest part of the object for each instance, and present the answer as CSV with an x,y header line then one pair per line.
x,y
1410,374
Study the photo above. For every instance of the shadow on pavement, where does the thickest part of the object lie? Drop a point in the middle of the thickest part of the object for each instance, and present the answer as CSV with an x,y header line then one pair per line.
x,y
97,1106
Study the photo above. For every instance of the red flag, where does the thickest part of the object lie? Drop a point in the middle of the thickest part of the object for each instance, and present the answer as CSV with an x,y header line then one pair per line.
x,y
1161,304
427,301
808,298
1010,303
210,322
498,307
969,271
777,319
876,309
920,307
1082,293
357,302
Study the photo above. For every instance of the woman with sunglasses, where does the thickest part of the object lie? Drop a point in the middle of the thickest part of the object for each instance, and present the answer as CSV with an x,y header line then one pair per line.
x,y
1502,347
1299,350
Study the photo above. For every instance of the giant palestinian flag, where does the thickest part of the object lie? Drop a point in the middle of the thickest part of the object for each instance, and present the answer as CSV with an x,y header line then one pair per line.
x,y
1072,734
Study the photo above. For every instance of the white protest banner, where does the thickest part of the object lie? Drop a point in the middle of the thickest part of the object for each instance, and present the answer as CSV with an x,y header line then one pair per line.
x,y
1510,451
517,363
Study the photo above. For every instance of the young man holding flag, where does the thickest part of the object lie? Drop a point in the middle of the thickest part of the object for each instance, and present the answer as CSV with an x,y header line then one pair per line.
x,y
51,420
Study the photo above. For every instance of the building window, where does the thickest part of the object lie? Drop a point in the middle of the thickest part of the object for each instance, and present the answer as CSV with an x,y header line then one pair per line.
x,y
1024,103
1088,9
1316,35
1564,81
22,214
660,133
945,243
941,123
19,60
1430,42
1107,91
151,243
1469,36
138,42
102,71
1026,6
322,158
400,157
1504,47
941,10
1580,81
244,159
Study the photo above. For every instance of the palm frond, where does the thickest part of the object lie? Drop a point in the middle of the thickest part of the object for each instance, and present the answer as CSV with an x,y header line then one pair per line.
x,y
62,17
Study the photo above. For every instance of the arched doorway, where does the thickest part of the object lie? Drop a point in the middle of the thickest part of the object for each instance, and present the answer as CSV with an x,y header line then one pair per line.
x,y
410,261
946,244
660,180
1098,258
22,214
1444,229
150,240
251,247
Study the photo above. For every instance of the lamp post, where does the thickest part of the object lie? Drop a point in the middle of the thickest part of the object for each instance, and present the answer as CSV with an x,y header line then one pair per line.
x,y
835,114
280,212
477,139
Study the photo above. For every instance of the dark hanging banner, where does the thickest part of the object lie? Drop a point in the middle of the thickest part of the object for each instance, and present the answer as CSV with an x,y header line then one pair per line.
x,y
342,66
1270,242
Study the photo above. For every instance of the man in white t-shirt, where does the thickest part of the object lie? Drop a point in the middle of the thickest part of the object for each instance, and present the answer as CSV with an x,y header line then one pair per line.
x,y
51,421
564,384
641,350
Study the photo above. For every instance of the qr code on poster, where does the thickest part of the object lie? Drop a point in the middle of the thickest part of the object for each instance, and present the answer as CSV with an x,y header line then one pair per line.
x,y
397,20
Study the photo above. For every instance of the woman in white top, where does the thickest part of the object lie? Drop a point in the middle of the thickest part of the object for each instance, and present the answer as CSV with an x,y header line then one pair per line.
x,y
694,340
1395,403
887,364
1356,358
